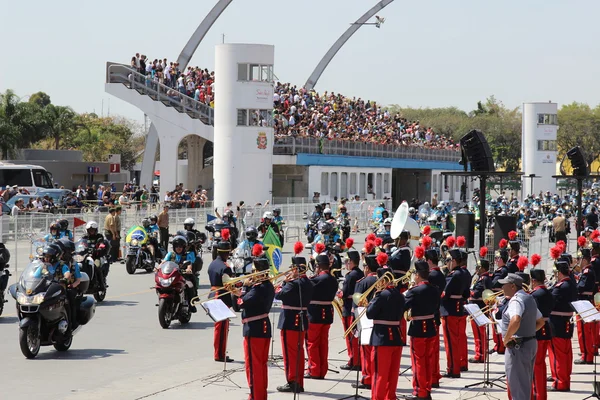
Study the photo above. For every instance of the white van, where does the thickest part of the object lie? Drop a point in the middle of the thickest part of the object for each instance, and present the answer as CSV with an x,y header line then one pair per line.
x,y
31,177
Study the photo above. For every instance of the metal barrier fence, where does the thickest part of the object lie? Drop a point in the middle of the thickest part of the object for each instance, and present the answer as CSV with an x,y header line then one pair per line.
x,y
537,242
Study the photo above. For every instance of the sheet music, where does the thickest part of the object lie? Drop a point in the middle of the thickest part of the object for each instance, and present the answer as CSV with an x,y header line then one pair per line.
x,y
586,310
475,312
277,304
365,325
217,310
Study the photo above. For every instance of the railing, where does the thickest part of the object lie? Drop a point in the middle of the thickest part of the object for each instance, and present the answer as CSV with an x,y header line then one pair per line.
x,y
297,145
170,97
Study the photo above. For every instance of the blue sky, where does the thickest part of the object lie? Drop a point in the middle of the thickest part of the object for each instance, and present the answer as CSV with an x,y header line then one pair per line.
x,y
428,53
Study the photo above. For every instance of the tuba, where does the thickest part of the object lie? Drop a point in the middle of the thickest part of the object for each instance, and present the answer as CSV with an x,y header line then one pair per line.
x,y
403,222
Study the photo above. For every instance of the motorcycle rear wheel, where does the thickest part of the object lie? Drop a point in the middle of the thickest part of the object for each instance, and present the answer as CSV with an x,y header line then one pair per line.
x,y
185,318
29,341
65,344
100,295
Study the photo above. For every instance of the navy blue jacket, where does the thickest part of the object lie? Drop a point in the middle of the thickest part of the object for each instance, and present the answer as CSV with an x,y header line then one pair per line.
x,y
423,301
320,309
350,281
466,277
365,283
437,279
256,304
452,297
289,294
560,317
499,273
386,309
216,270
511,265
545,303
483,282
586,287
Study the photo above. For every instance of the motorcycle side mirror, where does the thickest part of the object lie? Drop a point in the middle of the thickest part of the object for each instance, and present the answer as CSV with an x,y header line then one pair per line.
x,y
12,289
305,216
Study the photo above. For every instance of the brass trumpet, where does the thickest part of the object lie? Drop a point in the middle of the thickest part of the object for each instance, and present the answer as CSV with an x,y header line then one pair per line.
x,y
229,284
361,298
405,279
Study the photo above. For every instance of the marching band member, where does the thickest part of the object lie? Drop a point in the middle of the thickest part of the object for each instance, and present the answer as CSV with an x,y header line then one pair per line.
x,y
370,267
561,351
500,259
320,318
295,294
466,278
256,299
484,281
545,303
514,248
596,267
423,301
385,309
399,264
350,280
437,279
217,268
586,288
452,311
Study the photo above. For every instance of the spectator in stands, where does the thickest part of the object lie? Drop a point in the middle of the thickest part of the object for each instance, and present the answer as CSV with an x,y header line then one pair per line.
x,y
17,208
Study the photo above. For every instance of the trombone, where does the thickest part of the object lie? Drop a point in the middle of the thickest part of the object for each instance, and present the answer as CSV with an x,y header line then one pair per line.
x,y
404,279
361,298
229,284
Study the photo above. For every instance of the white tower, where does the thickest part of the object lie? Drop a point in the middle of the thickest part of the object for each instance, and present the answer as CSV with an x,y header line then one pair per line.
x,y
243,139
538,146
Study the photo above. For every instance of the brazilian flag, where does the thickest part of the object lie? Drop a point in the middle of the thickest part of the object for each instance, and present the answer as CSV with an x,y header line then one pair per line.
x,y
273,247
139,233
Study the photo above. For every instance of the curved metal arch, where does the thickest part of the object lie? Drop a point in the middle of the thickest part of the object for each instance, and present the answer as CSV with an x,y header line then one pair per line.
x,y
314,77
190,48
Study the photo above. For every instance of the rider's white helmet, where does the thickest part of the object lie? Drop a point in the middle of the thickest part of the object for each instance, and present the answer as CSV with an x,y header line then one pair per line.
x,y
268,214
327,211
91,225
189,221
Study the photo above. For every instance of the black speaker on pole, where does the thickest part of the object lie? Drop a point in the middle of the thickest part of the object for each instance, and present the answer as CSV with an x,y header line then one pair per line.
x,y
502,226
577,158
465,226
476,150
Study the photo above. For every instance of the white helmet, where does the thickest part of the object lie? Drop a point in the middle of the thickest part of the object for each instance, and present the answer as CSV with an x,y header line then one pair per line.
x,y
91,225
268,214
327,211
189,221
387,221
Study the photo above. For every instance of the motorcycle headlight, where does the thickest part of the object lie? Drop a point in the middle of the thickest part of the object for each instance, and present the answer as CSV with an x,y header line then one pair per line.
x,y
39,251
78,258
135,242
165,282
217,234
37,299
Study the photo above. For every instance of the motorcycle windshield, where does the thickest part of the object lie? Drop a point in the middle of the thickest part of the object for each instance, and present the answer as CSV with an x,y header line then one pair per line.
x,y
38,246
168,267
34,275
137,233
81,246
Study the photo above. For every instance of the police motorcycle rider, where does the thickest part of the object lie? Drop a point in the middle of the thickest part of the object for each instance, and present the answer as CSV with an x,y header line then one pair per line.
x,y
242,255
377,213
311,225
228,218
64,229
185,259
54,234
343,221
150,224
268,222
195,240
278,219
95,241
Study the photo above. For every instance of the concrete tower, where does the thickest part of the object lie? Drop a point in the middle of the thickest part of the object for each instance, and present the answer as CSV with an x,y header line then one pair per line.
x,y
538,146
243,138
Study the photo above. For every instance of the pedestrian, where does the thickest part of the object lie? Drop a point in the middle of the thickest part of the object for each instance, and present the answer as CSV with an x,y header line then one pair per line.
x,y
115,246
163,225
521,320
110,232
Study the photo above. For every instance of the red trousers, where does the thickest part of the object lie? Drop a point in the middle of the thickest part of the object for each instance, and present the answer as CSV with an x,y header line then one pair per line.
x,y
256,354
351,343
462,342
422,361
293,361
366,353
451,329
435,371
586,333
498,342
220,339
561,362
481,341
317,340
386,369
539,391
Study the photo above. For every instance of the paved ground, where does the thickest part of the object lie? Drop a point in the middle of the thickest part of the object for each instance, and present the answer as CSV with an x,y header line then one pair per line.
x,y
124,354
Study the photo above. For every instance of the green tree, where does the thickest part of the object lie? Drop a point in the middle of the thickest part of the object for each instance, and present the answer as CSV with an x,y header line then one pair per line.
x,y
59,123
8,130
579,125
40,99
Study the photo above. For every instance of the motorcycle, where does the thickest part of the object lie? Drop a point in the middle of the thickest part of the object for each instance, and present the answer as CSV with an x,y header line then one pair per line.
x,y
95,267
170,288
138,255
241,261
215,228
43,310
4,274
344,226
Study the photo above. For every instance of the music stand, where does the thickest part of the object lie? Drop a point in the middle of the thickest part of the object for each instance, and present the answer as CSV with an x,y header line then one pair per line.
x,y
589,314
367,325
482,320
273,359
218,311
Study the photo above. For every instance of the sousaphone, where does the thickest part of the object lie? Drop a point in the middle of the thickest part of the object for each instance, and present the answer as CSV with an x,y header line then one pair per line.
x,y
403,222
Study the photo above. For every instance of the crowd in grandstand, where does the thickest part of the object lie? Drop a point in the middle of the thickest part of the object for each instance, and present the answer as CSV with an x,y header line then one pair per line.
x,y
302,113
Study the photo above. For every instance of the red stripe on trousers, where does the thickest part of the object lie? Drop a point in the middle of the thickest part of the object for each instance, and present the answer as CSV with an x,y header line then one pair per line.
x,y
462,342
289,342
403,330
435,373
386,368
366,353
220,339
422,361
256,354
586,336
561,362
317,339
481,341
539,386
351,343
451,329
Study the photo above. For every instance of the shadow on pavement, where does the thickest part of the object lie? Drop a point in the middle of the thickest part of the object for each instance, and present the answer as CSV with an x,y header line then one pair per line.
x,y
8,320
111,303
78,354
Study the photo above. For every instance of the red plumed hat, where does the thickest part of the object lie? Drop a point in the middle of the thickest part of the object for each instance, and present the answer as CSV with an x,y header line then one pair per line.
x,y
319,248
382,258
555,252
483,252
257,250
298,247
369,247
370,237
512,235
502,243
419,252
595,234
450,241
378,241
536,259
426,230
522,262
426,241
225,234
581,241
461,241
561,245
349,243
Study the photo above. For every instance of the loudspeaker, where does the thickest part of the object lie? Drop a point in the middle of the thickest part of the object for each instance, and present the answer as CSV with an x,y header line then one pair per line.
x,y
465,226
577,158
502,226
476,151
